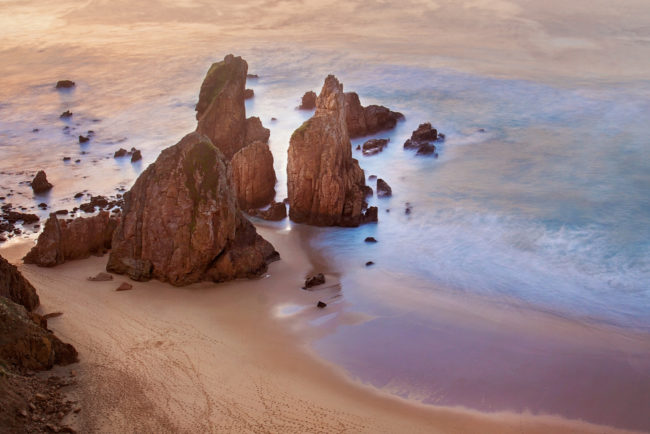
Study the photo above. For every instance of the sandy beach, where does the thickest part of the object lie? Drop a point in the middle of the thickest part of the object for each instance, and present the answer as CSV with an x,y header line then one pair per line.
x,y
226,358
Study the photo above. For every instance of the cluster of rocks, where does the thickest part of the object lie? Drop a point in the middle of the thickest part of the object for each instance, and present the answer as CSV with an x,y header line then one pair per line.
x,y
135,154
423,138
97,203
8,219
326,186
29,403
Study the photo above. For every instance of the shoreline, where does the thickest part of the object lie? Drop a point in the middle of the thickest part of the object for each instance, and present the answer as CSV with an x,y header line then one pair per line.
x,y
221,357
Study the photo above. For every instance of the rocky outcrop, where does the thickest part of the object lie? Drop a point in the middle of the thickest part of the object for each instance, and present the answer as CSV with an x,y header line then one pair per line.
x,y
362,121
15,287
325,184
308,101
181,221
374,146
63,240
422,139
25,344
220,112
253,175
255,131
221,115
40,183
383,189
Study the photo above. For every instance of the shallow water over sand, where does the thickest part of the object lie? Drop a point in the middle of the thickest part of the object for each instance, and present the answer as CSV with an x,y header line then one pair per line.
x,y
537,203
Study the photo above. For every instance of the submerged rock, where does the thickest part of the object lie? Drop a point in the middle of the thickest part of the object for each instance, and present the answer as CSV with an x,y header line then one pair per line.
x,y
374,146
15,287
362,121
182,224
63,240
325,184
40,183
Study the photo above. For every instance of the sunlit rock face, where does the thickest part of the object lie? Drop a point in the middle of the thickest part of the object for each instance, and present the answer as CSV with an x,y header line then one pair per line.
x,y
221,116
326,186
182,223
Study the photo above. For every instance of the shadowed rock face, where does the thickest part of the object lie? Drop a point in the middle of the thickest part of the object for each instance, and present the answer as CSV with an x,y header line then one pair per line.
x,y
362,121
325,184
221,115
25,344
221,112
62,241
253,175
15,287
181,222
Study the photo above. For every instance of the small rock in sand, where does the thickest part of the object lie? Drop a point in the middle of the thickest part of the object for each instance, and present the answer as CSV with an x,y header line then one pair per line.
x,y
311,281
101,277
321,304
124,287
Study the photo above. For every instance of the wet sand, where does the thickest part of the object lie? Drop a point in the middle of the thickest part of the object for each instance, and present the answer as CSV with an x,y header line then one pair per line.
x,y
228,357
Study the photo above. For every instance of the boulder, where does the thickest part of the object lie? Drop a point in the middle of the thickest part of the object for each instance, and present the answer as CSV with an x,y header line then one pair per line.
x,y
124,287
315,280
27,345
120,153
220,112
383,189
40,183
101,277
374,146
325,184
308,101
275,212
370,240
253,175
136,156
63,240
255,131
66,114
249,93
182,224
422,139
83,139
15,287
362,121
64,84
321,304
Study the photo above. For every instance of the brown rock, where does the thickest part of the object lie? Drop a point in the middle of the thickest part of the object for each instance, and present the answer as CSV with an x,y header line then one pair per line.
x,y
83,139
25,344
220,112
308,101
383,189
120,153
249,93
325,183
315,280
181,221
374,146
40,183
15,287
63,240
64,84
255,131
124,287
136,156
253,175
276,211
422,138
362,121
66,114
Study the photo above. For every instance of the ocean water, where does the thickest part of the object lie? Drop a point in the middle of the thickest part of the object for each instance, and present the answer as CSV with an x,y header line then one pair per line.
x,y
538,205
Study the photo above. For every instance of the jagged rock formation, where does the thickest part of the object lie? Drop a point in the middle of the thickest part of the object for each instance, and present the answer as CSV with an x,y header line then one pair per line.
x,y
326,185
221,116
25,344
253,175
362,121
15,287
181,222
63,240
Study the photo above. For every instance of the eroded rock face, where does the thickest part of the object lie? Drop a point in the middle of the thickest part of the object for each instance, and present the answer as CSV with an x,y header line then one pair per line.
x,y
25,344
181,222
15,287
362,121
325,184
253,175
221,115
221,112
62,241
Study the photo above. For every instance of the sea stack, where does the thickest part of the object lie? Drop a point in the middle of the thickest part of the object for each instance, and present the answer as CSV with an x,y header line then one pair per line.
x,y
221,115
326,185
182,224
362,121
